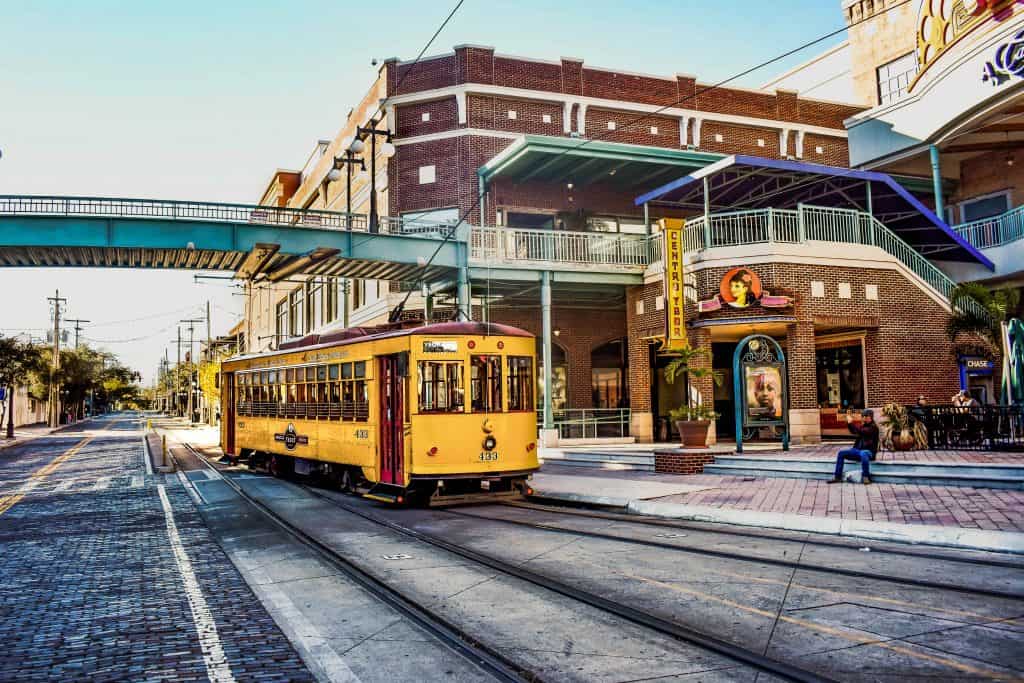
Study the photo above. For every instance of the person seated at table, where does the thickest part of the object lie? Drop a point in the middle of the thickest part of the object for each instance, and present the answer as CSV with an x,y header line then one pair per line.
x,y
864,449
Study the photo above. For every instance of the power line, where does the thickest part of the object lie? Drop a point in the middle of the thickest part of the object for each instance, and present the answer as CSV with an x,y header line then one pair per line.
x,y
479,198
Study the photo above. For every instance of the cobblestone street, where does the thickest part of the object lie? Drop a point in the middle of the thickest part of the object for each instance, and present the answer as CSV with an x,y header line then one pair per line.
x,y
109,573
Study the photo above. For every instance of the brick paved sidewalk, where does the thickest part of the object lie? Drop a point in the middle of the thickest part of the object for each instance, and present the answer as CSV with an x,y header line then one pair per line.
x,y
828,450
949,506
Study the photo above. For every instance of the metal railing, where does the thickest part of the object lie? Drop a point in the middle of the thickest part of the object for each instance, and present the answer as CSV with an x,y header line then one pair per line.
x,y
994,231
522,247
589,423
972,428
814,224
211,212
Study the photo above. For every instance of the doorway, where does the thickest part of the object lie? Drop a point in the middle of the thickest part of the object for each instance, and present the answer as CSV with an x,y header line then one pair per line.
x,y
228,412
391,381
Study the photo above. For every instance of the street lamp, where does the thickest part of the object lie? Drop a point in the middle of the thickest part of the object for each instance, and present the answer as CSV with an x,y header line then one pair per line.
x,y
334,175
387,150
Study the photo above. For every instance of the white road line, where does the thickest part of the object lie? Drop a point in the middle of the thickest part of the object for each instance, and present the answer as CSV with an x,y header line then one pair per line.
x,y
65,484
190,488
101,483
145,455
300,631
212,474
137,481
217,668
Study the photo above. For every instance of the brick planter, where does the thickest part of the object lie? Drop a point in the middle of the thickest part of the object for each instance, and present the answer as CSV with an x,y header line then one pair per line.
x,y
682,462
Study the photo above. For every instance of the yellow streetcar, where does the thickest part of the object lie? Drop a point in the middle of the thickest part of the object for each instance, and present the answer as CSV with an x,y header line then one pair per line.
x,y
435,414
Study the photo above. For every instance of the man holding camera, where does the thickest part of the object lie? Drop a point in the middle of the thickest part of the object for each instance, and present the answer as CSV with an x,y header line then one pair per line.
x,y
864,449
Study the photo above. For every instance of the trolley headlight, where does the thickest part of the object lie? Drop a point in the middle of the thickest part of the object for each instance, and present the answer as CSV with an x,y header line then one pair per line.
x,y
490,443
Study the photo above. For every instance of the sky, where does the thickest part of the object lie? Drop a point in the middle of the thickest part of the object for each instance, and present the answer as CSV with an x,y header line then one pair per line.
x,y
203,100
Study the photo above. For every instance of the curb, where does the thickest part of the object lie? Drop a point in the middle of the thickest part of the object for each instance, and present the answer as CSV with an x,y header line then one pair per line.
x,y
913,534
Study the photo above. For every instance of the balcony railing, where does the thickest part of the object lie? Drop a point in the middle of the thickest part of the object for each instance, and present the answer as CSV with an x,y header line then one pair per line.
x,y
813,224
212,212
520,247
589,423
994,231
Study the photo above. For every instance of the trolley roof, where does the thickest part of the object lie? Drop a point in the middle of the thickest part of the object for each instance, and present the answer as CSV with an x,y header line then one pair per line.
x,y
355,335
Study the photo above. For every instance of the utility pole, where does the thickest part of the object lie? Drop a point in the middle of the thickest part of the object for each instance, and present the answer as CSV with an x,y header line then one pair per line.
x,y
56,300
207,411
191,359
177,374
78,328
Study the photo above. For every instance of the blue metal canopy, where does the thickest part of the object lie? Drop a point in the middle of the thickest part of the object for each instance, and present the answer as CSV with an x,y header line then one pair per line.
x,y
742,182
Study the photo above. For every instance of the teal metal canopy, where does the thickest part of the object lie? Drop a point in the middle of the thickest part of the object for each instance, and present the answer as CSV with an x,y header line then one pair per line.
x,y
583,162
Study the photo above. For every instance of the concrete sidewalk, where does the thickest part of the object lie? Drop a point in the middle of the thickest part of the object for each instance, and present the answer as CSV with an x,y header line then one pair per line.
x,y
956,517
29,432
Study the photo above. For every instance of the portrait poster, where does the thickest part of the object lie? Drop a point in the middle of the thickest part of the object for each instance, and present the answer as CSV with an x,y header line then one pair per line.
x,y
740,288
765,398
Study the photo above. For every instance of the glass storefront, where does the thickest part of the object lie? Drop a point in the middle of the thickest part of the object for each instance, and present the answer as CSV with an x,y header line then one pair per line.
x,y
840,385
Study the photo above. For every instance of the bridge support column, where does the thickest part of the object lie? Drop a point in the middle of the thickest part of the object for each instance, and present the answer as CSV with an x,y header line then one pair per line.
x,y
464,297
548,434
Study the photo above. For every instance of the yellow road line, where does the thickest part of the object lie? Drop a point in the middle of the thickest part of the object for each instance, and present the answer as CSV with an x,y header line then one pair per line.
x,y
37,477
828,630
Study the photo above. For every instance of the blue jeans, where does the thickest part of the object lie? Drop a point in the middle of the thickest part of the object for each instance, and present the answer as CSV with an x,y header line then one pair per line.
x,y
853,454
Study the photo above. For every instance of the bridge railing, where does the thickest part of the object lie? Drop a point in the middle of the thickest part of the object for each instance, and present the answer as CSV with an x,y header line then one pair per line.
x,y
212,211
521,247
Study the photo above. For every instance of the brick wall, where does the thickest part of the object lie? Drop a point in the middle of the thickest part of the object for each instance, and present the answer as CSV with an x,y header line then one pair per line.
x,y
443,116
492,113
674,462
740,140
907,350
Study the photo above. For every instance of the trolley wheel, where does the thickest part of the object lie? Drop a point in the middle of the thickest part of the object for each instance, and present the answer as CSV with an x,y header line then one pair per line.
x,y
275,466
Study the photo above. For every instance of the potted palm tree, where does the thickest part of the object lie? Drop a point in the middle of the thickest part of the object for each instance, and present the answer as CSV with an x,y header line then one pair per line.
x,y
692,419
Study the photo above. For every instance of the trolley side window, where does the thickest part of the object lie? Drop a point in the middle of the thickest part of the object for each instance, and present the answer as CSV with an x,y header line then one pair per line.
x,y
485,383
362,392
440,386
520,383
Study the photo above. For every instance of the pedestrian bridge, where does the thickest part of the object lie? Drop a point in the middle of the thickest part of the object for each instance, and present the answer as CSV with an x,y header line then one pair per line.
x,y
248,240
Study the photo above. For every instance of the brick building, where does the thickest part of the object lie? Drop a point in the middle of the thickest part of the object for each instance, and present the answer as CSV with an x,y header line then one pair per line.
x,y
549,162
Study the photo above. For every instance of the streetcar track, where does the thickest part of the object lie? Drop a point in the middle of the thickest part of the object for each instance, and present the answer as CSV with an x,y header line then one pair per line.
x,y
724,554
664,626
675,524
448,633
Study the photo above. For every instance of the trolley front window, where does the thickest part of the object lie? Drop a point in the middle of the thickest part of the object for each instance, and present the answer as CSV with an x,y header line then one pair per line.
x,y
440,386
520,383
486,383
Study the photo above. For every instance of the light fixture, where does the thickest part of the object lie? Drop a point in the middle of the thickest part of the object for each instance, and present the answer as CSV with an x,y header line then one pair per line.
x,y
357,146
363,175
1009,153
557,332
569,185
387,150
334,175
613,171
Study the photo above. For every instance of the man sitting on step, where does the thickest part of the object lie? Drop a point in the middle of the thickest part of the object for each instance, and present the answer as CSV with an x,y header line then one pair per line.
x,y
864,449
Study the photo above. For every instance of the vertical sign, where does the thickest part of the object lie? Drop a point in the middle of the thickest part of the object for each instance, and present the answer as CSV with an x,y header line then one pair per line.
x,y
675,316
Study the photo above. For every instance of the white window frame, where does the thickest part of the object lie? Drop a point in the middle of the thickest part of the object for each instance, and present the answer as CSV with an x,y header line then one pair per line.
x,y
982,197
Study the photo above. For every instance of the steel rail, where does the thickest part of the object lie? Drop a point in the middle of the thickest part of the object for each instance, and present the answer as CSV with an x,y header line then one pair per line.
x,y
451,635
724,554
670,628
583,511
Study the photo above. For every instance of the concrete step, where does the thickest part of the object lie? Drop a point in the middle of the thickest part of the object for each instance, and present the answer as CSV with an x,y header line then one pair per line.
x,y
882,476
620,461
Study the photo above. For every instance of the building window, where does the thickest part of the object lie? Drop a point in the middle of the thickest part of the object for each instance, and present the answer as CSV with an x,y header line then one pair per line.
x,y
281,320
440,386
425,116
358,294
985,206
844,290
616,224
297,312
428,174
817,289
840,377
894,78
520,383
485,384
330,299
315,303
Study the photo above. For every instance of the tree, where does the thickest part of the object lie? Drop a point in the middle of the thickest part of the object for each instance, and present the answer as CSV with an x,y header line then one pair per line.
x,y
979,310
18,362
